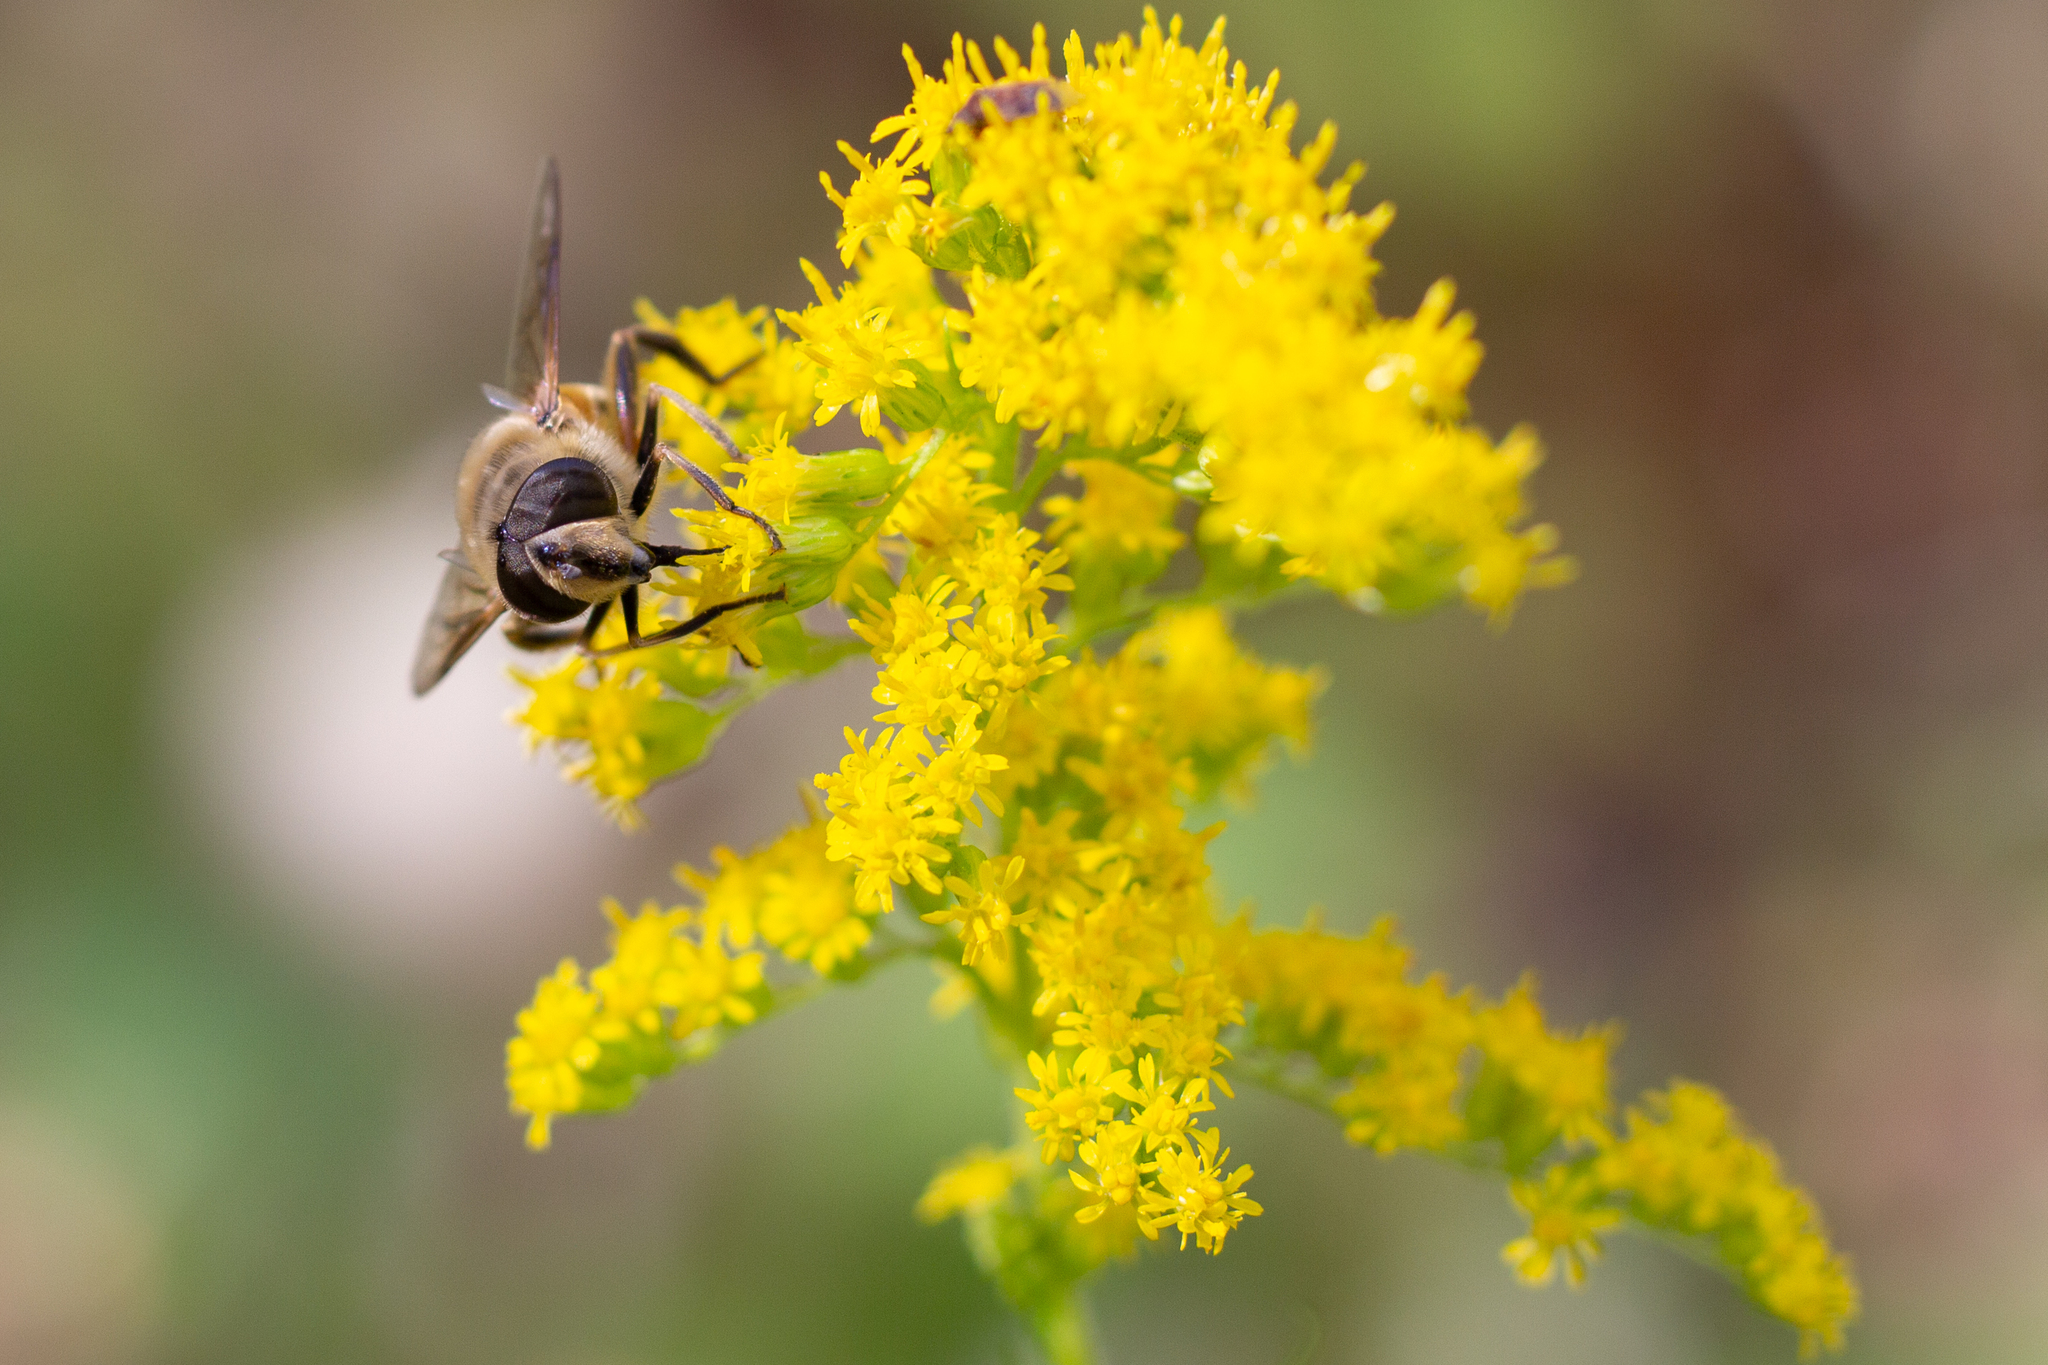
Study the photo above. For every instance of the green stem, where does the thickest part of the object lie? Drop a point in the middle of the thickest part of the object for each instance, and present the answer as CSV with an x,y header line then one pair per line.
x,y
1274,1078
1044,464
789,997
1004,448
1061,1329
1147,607
1009,1016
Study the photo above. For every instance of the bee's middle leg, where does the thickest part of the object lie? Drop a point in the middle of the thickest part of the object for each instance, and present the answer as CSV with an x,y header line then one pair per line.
x,y
525,634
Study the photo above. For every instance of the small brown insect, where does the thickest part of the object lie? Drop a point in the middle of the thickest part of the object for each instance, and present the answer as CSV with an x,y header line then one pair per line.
x,y
1008,100
549,502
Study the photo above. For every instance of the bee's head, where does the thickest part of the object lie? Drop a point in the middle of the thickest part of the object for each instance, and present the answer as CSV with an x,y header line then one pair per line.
x,y
591,561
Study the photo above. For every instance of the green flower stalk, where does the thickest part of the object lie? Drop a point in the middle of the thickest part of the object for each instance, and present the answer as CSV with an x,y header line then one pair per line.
x,y
1169,305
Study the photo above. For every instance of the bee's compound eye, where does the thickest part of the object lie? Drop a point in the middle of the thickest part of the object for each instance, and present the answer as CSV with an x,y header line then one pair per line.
x,y
643,563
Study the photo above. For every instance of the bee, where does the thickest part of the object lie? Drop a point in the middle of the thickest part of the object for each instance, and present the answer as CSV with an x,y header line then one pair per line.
x,y
551,496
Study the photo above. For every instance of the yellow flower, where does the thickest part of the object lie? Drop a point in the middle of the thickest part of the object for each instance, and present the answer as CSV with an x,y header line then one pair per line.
x,y
544,1061
935,101
1113,1155
807,908
1121,512
862,336
706,986
1147,256
628,732
943,513
609,721
1159,1115
1194,1197
1063,1111
1565,1221
1567,1076
1220,706
790,892
983,911
968,1185
732,895
1410,1100
629,984
912,624
1809,1286
1049,858
878,825
956,645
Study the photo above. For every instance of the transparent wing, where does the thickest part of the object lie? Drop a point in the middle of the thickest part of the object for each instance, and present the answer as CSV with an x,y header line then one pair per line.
x,y
533,364
463,610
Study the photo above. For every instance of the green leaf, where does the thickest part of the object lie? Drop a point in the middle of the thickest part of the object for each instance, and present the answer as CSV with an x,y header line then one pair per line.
x,y
985,240
786,647
951,170
1498,1108
1236,568
845,475
613,1080
966,865
678,735
1421,577
678,670
918,407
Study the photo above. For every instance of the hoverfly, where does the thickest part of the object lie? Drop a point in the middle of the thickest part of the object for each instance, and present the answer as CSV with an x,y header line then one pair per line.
x,y
549,501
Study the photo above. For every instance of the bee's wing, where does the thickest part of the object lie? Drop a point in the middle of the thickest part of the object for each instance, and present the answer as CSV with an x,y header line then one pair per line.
x,y
533,364
463,610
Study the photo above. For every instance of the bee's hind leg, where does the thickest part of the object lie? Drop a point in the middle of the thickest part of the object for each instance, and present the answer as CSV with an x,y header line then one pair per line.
x,y
622,365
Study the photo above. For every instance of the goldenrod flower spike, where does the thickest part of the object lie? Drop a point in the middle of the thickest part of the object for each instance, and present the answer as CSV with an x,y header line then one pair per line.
x,y
1154,296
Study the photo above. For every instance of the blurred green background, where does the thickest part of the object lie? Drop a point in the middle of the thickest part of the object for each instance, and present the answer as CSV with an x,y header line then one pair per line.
x,y
1770,782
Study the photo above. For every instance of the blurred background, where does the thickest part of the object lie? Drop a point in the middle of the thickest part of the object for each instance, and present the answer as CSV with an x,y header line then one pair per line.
x,y
1770,783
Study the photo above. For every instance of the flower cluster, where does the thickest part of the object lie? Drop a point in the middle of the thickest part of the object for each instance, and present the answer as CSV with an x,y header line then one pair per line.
x,y
790,894
584,1048
1162,348
960,638
1148,258
627,728
1400,1047
1411,1064
676,978
1687,1166
1118,927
